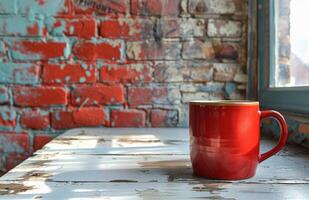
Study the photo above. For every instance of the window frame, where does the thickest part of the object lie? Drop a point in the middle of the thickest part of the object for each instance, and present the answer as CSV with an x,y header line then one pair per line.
x,y
261,27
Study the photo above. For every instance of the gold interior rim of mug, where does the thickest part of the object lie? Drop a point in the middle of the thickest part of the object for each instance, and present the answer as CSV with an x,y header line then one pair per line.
x,y
224,102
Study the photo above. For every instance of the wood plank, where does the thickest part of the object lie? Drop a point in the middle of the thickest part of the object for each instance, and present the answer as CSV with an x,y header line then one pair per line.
x,y
120,141
144,164
154,168
124,191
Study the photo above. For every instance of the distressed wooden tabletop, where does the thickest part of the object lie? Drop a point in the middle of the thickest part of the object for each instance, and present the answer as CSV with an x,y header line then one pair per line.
x,y
144,164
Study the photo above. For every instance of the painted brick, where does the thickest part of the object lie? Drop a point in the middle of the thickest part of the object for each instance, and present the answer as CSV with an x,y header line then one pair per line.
x,y
153,95
303,128
168,28
7,118
133,73
126,28
98,95
240,78
224,28
224,72
8,7
39,96
82,28
152,50
187,97
39,50
204,7
100,7
35,120
19,73
192,28
79,118
14,159
4,95
169,72
69,73
101,50
128,118
164,118
11,142
198,49
181,27
155,7
20,26
197,71
41,7
39,141
226,51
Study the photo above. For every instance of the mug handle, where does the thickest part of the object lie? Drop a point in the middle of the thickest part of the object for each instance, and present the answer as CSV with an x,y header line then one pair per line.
x,y
284,133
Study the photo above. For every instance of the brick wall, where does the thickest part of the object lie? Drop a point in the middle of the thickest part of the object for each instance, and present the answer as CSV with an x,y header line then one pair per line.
x,y
112,63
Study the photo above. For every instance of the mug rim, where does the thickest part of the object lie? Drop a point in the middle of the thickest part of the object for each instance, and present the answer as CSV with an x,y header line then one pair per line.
x,y
224,102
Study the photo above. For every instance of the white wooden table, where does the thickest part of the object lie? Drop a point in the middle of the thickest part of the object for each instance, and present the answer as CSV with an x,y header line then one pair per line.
x,y
144,164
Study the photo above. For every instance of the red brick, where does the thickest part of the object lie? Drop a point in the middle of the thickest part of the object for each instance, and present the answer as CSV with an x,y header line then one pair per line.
x,y
34,120
102,7
69,73
7,117
128,118
147,95
98,94
102,50
39,96
39,50
78,118
40,141
163,118
82,28
14,159
126,74
11,142
126,28
155,7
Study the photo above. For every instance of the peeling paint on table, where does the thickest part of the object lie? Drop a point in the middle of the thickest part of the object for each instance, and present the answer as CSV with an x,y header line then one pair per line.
x,y
144,164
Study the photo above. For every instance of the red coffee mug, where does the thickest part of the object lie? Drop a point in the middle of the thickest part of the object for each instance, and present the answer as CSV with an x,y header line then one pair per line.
x,y
225,138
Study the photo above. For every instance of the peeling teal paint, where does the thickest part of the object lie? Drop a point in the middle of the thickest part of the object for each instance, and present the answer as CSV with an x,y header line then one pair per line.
x,y
19,25
82,80
2,49
8,6
18,73
211,87
57,116
67,78
48,8
71,30
57,30
4,97
84,66
67,50
88,73
230,88
7,115
9,146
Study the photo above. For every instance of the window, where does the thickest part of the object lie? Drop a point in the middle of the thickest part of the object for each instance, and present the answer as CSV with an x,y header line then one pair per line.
x,y
283,54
